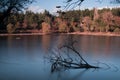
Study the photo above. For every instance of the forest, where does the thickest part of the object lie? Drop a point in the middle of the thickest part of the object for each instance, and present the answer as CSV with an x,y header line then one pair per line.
x,y
94,20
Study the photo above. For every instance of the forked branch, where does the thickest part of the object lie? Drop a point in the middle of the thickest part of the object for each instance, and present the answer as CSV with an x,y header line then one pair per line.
x,y
62,62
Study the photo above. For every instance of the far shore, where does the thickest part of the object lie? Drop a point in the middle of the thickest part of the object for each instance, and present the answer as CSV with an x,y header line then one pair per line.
x,y
74,33
21,34
96,33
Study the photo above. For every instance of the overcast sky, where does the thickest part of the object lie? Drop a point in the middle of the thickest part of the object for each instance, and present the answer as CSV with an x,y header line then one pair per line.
x,y
50,5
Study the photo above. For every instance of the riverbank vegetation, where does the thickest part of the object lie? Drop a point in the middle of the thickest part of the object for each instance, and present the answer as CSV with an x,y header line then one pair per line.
x,y
95,20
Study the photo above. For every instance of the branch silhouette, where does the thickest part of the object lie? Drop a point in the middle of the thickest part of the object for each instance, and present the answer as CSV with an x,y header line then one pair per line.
x,y
62,62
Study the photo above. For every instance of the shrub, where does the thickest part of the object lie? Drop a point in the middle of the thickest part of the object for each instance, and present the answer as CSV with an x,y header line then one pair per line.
x,y
117,30
10,28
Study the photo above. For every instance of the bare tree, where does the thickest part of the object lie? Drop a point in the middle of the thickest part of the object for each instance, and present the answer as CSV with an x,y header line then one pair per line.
x,y
9,6
115,1
71,4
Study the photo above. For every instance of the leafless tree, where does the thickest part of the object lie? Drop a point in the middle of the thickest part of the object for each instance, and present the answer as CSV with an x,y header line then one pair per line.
x,y
9,6
115,1
71,4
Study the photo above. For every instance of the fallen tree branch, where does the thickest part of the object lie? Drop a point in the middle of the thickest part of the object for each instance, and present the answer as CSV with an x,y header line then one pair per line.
x,y
62,62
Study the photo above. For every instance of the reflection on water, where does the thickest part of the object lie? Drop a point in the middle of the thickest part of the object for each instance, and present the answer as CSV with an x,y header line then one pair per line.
x,y
22,57
46,39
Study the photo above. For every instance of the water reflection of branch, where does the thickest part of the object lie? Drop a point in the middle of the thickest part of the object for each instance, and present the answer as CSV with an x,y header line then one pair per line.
x,y
107,66
79,75
116,69
65,75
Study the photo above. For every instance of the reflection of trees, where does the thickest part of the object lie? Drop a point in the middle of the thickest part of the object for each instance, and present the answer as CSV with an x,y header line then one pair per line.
x,y
61,39
46,39
94,45
23,45
10,41
108,45
29,45
102,45
84,43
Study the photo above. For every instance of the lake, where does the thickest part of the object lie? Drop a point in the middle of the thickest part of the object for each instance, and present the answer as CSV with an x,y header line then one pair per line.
x,y
24,57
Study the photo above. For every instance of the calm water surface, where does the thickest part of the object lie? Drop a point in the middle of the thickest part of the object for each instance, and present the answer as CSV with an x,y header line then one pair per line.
x,y
23,57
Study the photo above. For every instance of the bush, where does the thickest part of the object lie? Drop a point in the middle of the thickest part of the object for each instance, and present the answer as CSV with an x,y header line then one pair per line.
x,y
45,27
117,30
10,28
62,27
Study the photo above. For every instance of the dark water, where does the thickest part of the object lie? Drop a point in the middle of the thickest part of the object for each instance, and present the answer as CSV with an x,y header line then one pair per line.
x,y
23,57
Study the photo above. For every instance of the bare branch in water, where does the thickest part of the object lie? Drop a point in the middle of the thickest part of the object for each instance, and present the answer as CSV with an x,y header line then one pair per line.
x,y
60,61
66,57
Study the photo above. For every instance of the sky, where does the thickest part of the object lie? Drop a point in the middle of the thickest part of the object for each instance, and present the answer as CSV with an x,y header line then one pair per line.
x,y
50,5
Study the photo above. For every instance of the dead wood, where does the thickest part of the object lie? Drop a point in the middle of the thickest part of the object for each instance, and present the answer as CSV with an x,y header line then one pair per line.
x,y
62,62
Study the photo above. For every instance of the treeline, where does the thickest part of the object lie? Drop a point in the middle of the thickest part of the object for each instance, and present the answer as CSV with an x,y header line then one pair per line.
x,y
96,20
104,20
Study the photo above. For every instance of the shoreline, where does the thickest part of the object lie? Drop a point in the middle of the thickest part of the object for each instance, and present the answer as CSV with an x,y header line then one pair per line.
x,y
74,33
21,34
96,33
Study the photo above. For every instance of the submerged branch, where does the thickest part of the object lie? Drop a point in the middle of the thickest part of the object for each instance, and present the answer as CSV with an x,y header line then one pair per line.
x,y
63,64
73,49
60,62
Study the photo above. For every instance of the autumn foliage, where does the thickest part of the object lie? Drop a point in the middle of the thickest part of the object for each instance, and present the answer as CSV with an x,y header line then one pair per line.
x,y
95,20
